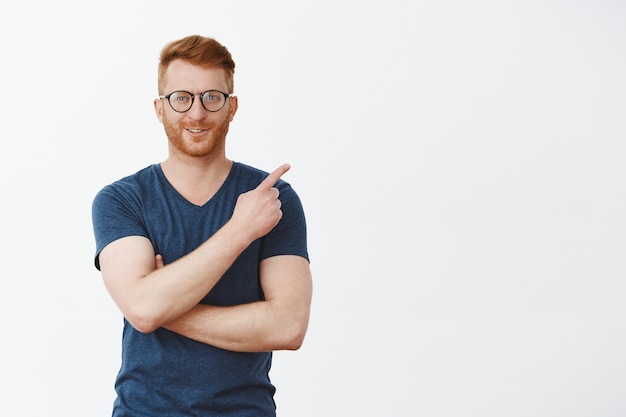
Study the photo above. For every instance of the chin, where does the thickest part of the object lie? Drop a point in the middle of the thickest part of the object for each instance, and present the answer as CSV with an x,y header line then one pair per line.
x,y
197,149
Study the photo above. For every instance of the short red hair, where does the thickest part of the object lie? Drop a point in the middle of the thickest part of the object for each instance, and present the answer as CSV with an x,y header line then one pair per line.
x,y
197,50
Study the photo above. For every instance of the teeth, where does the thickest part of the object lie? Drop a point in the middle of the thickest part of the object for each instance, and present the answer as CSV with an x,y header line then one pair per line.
x,y
196,130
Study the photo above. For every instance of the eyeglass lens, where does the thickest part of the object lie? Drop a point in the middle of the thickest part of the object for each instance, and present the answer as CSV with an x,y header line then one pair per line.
x,y
212,100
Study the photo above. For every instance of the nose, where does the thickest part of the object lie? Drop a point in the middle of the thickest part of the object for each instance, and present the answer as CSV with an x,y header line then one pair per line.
x,y
197,111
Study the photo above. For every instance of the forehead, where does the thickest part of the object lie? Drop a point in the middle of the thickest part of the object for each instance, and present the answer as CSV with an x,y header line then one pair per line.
x,y
182,75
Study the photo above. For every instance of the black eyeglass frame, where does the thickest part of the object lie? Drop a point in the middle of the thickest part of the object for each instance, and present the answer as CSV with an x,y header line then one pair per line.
x,y
193,97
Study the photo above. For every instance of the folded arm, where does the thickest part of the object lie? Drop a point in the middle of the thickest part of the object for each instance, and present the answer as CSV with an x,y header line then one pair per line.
x,y
277,323
149,298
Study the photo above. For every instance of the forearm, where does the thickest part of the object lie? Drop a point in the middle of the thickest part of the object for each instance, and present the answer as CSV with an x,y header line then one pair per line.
x,y
255,327
183,283
278,323
156,296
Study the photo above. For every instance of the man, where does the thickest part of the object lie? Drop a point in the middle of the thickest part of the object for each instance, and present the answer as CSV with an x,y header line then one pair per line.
x,y
205,257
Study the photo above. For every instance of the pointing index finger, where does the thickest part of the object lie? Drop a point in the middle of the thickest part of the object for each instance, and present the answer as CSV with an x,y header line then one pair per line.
x,y
271,179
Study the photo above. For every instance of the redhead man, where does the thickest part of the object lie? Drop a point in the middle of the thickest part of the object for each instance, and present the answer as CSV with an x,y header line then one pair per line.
x,y
205,257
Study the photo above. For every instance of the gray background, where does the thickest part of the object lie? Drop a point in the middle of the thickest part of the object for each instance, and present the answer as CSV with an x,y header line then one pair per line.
x,y
462,167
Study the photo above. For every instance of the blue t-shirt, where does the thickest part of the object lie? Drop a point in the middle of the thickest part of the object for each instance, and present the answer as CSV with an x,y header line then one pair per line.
x,y
164,373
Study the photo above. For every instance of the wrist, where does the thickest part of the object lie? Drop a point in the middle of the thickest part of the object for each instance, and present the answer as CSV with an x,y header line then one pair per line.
x,y
237,235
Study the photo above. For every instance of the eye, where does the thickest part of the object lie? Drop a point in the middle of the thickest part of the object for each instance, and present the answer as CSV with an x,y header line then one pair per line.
x,y
181,98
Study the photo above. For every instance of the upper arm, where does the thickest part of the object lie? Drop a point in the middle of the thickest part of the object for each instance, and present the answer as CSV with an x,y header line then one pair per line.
x,y
123,263
287,284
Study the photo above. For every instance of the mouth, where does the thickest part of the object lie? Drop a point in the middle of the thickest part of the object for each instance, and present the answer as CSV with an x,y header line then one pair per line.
x,y
196,131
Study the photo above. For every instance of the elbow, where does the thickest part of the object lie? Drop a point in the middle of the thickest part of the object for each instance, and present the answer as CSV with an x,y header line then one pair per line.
x,y
293,339
292,328
143,326
294,343
143,321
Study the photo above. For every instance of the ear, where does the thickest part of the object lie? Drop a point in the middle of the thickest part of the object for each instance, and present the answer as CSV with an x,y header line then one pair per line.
x,y
232,108
158,109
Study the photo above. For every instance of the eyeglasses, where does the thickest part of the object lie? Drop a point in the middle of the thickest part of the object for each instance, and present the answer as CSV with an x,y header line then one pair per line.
x,y
181,101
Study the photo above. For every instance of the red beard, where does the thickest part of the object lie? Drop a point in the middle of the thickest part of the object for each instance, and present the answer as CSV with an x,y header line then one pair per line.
x,y
214,138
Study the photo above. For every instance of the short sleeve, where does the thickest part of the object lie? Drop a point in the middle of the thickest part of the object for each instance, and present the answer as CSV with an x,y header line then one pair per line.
x,y
289,237
116,213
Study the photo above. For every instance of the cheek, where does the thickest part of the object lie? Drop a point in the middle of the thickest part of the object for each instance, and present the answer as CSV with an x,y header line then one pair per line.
x,y
168,125
167,119
170,128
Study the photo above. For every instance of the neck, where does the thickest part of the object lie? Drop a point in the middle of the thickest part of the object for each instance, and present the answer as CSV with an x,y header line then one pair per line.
x,y
196,179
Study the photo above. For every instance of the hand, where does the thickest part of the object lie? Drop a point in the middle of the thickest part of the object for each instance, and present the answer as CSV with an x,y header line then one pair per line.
x,y
158,261
258,210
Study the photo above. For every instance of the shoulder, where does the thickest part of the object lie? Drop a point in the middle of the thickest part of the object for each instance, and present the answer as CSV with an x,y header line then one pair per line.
x,y
143,177
246,172
134,182
129,188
